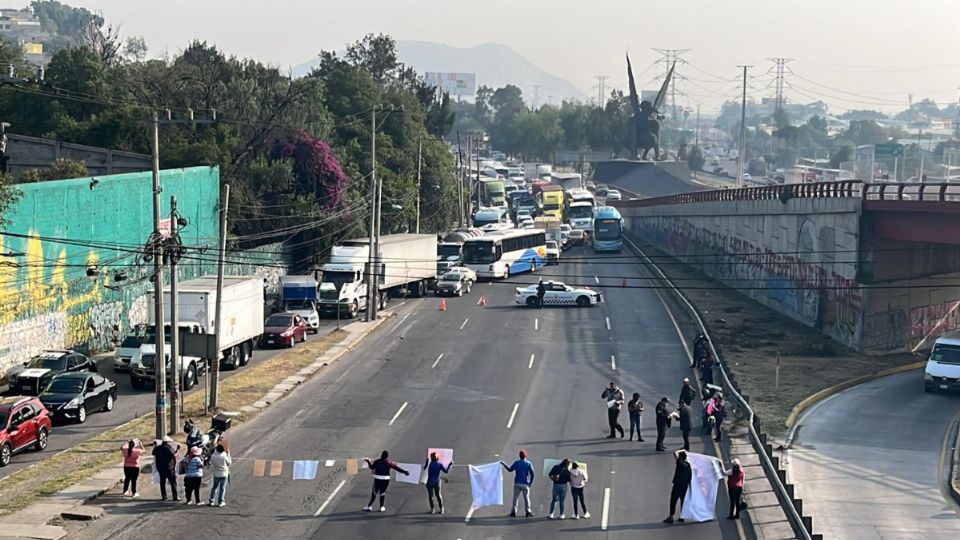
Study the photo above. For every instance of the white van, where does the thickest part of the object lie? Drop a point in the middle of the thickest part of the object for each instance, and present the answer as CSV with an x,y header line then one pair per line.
x,y
943,366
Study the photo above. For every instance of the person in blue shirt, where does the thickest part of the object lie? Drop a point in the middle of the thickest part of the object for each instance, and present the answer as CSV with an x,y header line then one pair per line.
x,y
434,468
523,479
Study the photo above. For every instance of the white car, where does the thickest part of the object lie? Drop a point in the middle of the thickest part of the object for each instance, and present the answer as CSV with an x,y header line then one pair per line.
x,y
553,252
467,273
613,195
526,222
557,294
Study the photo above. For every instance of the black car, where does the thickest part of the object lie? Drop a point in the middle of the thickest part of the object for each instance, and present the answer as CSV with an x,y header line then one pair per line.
x,y
36,374
71,396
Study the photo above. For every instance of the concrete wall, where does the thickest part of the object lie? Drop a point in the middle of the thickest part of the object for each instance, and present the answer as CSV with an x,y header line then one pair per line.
x,y
62,227
26,153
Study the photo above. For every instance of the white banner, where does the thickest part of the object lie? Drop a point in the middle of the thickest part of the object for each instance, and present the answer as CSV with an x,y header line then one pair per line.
x,y
701,500
486,485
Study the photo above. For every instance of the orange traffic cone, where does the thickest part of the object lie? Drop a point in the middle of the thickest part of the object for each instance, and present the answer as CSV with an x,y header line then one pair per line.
x,y
483,300
443,304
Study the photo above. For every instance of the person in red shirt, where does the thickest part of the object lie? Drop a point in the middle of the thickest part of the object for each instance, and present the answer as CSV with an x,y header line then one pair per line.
x,y
735,479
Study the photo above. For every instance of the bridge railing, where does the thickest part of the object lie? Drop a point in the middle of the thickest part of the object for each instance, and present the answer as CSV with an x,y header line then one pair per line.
x,y
941,192
782,192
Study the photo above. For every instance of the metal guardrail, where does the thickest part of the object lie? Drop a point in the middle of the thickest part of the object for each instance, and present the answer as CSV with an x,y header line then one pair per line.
x,y
912,192
797,522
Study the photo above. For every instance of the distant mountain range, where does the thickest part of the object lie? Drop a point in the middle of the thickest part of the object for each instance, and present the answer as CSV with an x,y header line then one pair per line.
x,y
495,65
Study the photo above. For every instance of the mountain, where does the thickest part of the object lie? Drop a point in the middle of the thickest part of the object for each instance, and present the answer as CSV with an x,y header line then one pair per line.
x,y
495,65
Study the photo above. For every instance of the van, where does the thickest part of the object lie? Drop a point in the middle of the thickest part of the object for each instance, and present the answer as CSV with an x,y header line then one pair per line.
x,y
943,366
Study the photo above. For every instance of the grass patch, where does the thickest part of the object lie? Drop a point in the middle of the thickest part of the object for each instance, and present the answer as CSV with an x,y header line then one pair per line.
x,y
87,459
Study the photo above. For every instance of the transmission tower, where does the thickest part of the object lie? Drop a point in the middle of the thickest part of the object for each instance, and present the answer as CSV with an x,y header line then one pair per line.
x,y
669,57
601,87
780,64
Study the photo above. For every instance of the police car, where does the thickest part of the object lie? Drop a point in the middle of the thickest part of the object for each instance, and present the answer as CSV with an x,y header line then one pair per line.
x,y
557,294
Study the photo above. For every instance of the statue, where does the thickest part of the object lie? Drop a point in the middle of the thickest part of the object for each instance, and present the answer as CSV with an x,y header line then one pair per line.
x,y
646,117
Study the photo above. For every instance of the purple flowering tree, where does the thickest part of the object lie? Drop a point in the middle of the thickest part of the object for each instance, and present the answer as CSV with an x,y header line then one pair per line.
x,y
317,168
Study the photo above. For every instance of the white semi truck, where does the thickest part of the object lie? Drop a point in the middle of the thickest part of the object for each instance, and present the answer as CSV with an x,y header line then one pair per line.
x,y
240,326
409,267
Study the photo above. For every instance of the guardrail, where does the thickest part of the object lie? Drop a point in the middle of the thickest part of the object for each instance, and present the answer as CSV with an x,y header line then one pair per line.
x,y
802,526
912,192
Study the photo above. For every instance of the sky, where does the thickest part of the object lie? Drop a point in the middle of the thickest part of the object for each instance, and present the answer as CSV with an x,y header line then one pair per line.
x,y
853,54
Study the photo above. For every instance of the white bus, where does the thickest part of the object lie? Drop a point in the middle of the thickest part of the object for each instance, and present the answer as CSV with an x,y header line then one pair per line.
x,y
502,253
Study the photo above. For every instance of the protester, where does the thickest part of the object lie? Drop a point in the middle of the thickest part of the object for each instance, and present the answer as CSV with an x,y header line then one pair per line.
x,y
381,479
718,411
686,423
682,474
220,462
131,453
735,478
560,474
706,369
522,480
663,422
434,468
193,475
613,396
165,463
687,393
700,346
578,480
635,409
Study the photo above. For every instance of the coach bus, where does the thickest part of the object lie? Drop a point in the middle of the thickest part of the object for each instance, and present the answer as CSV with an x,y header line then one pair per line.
x,y
499,254
607,229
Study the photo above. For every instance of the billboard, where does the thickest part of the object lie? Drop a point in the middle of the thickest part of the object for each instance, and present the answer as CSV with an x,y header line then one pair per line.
x,y
455,84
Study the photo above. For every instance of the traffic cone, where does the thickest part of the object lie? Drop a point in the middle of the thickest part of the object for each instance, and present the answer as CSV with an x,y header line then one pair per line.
x,y
443,304
483,300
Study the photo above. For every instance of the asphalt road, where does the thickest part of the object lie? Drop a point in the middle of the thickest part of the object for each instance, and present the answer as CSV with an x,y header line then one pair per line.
x,y
866,462
396,392
130,404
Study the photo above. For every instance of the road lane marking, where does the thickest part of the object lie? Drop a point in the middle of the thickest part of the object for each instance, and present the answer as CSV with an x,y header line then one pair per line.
x,y
613,362
345,373
513,415
437,361
608,323
683,340
400,411
536,324
479,300
605,514
464,323
396,326
530,364
469,514
330,498
595,278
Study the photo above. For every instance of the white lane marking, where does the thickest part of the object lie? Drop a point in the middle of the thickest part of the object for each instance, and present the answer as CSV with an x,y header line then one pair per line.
x,y
345,373
676,327
437,361
399,324
536,324
330,498
469,515
400,411
613,362
513,415
530,364
464,323
329,462
595,278
605,514
608,323
479,300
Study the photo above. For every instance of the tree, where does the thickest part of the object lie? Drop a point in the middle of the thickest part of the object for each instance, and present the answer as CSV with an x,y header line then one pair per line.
x,y
841,155
695,158
60,169
9,195
135,49
104,41
63,20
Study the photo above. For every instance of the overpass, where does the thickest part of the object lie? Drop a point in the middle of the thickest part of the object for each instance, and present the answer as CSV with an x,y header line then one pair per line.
x,y
874,266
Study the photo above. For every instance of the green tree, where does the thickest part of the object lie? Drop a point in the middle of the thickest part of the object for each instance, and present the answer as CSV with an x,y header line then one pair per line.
x,y
9,195
842,154
695,158
59,170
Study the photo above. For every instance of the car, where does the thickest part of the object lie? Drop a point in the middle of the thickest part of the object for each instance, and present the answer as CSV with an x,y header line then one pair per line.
x,y
564,240
36,374
24,422
553,252
719,171
746,177
591,186
942,372
613,195
577,237
557,294
526,223
453,284
467,273
601,191
283,329
123,354
70,396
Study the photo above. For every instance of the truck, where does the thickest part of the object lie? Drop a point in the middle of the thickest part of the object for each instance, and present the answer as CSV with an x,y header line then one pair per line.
x,y
553,201
449,255
493,192
568,181
550,225
532,171
408,265
240,326
298,294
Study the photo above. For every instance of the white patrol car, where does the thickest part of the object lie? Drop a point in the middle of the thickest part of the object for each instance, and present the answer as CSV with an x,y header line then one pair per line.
x,y
557,294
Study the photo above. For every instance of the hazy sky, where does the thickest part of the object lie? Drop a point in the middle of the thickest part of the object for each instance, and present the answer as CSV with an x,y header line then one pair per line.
x,y
851,53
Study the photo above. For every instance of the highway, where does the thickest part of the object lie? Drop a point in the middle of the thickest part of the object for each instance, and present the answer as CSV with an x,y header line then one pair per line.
x,y
485,381
867,462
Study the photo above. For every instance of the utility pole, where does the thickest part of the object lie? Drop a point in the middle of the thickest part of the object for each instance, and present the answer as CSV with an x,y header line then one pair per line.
x,y
419,179
371,274
601,89
741,157
159,362
536,96
218,308
172,256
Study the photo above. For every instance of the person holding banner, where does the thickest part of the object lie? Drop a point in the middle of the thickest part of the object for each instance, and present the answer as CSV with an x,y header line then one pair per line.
x,y
434,468
682,474
613,395
523,479
381,479
578,480
735,479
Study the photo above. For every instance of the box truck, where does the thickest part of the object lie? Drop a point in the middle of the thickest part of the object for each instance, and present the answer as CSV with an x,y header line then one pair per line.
x,y
298,294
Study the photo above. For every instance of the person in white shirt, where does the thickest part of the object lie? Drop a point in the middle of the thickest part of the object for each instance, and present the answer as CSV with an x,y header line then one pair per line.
x,y
578,479
220,462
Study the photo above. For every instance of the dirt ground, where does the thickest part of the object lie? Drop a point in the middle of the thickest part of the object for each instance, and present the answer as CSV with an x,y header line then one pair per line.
x,y
751,335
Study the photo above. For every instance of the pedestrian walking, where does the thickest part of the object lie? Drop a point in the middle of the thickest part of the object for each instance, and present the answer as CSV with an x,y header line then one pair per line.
x,y
681,482
578,480
700,346
718,410
541,292
131,453
434,468
663,422
560,474
381,479
165,463
613,396
193,475
735,478
533,264
706,369
687,393
220,463
635,409
522,480
686,423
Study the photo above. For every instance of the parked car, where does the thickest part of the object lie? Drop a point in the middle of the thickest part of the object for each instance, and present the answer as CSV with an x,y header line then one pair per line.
x,y
36,374
557,294
283,329
553,252
613,195
24,422
70,396
453,284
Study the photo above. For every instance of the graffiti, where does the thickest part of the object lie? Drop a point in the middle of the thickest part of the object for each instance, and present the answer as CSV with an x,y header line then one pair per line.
x,y
23,339
886,331
928,322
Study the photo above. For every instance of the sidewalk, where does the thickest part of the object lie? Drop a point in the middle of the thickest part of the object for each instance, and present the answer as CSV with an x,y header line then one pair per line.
x,y
34,521
765,516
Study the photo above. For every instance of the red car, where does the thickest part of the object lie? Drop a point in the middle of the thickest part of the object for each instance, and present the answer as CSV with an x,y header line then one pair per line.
x,y
283,330
24,421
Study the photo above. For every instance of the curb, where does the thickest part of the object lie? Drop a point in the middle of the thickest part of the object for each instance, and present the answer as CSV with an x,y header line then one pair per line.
x,y
952,462
808,402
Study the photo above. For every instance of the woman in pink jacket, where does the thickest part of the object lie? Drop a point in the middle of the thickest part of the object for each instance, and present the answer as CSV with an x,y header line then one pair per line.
x,y
131,452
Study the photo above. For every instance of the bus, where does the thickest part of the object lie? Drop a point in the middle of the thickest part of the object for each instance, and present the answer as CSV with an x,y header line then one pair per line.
x,y
502,253
607,229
